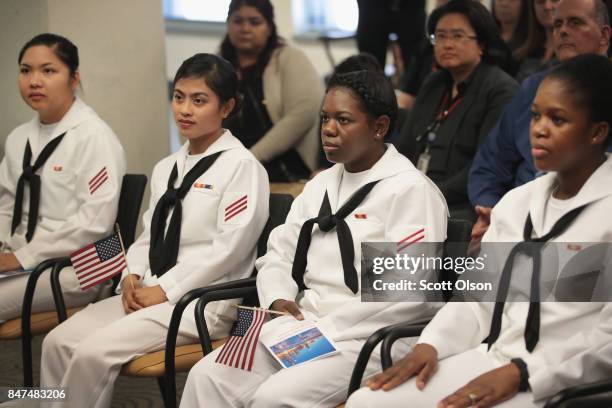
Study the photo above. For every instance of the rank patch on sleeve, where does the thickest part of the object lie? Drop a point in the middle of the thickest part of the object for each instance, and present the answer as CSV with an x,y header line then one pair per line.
x,y
98,180
414,237
237,207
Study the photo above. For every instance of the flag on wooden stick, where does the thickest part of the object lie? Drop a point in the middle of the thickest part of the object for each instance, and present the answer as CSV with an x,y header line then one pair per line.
x,y
99,261
239,350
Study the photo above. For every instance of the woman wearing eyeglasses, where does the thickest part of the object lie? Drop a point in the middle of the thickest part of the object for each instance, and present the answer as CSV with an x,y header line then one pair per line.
x,y
458,105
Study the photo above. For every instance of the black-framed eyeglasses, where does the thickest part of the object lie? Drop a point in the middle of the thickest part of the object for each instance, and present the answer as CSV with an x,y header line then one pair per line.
x,y
455,38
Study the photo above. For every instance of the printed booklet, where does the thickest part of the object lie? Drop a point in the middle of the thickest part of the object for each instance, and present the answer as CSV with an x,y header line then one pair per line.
x,y
298,343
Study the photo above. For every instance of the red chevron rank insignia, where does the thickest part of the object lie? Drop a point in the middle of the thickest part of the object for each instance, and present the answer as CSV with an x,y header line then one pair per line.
x,y
97,180
236,207
411,239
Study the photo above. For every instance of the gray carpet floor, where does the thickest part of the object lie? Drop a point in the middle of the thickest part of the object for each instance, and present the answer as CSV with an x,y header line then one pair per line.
x,y
129,392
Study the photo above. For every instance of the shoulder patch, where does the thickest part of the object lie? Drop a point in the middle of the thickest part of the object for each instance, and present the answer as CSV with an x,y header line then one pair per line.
x,y
415,235
98,180
235,205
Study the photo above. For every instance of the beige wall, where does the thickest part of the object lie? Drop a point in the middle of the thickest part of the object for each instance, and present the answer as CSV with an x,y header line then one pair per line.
x,y
19,21
121,46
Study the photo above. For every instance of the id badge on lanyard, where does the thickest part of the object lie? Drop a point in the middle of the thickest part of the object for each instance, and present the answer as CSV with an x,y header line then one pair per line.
x,y
425,157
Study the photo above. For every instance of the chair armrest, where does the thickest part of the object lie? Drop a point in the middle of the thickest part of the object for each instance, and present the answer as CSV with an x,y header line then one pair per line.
x,y
399,332
56,287
365,353
224,294
26,311
585,390
175,321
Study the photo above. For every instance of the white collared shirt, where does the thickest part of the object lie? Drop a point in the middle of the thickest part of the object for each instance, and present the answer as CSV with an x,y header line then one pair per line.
x,y
218,239
403,202
71,213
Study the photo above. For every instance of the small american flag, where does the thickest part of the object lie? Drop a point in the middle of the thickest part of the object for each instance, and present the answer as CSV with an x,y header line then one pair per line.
x,y
236,207
99,261
239,350
97,180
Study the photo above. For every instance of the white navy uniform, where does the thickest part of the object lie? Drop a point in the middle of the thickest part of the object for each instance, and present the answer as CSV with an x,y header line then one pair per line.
x,y
403,201
73,212
86,352
575,343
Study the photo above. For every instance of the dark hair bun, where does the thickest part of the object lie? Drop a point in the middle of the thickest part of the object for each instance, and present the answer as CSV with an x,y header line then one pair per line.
x,y
63,48
588,77
219,75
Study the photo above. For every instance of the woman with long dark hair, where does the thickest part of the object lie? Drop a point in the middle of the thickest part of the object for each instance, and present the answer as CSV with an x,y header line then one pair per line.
x,y
537,53
512,18
281,92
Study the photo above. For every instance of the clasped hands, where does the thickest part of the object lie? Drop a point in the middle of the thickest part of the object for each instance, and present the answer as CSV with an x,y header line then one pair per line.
x,y
136,297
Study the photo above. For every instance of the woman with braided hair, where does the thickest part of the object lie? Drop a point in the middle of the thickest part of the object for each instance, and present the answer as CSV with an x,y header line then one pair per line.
x,y
311,269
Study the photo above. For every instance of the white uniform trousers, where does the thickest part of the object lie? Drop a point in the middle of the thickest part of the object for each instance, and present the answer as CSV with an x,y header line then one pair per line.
x,y
12,290
319,383
86,352
453,373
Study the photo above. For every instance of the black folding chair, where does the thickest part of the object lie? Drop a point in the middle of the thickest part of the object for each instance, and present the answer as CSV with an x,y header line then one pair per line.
x,y
130,199
151,365
591,395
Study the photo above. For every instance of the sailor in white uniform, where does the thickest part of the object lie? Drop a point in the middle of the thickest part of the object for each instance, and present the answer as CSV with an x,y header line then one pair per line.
x,y
209,204
60,178
378,196
535,349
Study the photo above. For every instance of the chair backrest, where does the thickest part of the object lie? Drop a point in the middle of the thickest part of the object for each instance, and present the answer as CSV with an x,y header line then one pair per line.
x,y
280,204
130,201
459,231
458,235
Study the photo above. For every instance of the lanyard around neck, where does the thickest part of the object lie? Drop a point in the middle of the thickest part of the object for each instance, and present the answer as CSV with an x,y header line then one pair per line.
x,y
443,113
